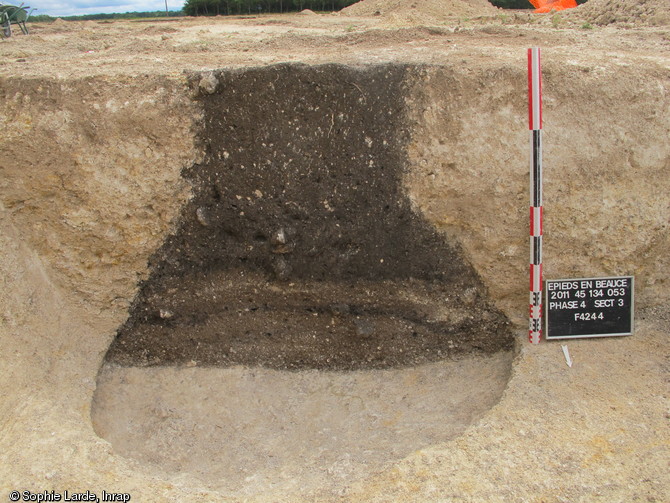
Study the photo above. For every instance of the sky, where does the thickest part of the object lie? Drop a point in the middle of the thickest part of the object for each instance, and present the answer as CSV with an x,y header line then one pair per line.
x,y
77,7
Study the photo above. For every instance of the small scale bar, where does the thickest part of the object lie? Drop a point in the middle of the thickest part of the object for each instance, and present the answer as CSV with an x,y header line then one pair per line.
x,y
534,89
536,221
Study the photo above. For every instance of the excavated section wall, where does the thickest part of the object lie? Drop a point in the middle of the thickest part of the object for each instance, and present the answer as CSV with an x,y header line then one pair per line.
x,y
606,198
317,153
606,159
299,209
91,173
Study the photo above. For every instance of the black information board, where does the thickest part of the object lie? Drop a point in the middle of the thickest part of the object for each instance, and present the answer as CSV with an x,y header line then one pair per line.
x,y
588,307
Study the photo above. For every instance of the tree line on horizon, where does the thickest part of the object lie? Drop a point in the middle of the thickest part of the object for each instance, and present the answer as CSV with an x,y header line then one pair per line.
x,y
228,7
46,18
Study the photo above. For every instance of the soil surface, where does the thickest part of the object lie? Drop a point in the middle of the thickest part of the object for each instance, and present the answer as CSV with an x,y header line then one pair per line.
x,y
104,160
431,9
626,12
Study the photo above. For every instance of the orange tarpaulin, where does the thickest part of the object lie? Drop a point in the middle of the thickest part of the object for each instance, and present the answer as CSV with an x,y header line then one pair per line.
x,y
549,5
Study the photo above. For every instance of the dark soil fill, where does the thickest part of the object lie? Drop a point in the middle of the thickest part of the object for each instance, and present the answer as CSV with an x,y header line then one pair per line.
x,y
300,248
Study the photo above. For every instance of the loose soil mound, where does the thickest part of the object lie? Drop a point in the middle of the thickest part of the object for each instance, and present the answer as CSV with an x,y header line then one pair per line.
x,y
435,9
641,12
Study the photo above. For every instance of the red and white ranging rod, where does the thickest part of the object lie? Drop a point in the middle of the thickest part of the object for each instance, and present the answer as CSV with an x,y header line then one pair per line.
x,y
535,123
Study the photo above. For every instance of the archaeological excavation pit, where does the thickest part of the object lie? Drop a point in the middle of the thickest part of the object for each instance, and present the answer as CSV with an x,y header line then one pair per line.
x,y
303,325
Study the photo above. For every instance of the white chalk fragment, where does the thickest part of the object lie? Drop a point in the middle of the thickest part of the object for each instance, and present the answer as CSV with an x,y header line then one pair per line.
x,y
566,353
208,83
202,216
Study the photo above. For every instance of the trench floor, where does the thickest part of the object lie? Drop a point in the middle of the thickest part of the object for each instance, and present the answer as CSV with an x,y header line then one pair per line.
x,y
246,431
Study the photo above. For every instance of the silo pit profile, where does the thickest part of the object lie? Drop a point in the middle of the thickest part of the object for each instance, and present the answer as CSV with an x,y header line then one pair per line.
x,y
303,323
